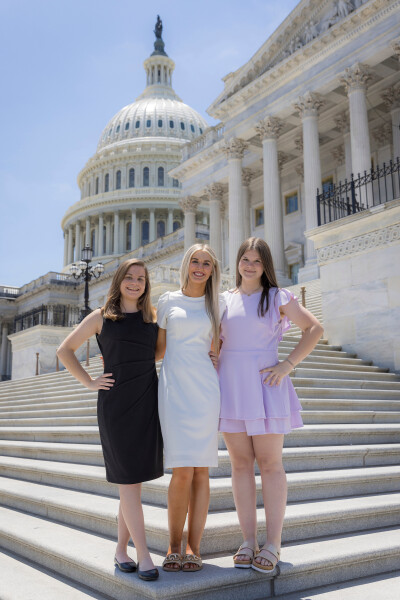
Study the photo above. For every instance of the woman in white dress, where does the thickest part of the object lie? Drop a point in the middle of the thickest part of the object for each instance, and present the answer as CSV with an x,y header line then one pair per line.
x,y
189,399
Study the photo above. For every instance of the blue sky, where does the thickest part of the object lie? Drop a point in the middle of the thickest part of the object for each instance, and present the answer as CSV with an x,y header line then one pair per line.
x,y
67,67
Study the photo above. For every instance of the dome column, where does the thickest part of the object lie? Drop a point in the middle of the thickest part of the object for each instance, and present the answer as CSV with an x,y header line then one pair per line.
x,y
78,243
189,206
108,235
70,246
122,234
101,235
152,225
133,230
215,193
170,221
235,149
116,232
65,247
87,232
247,175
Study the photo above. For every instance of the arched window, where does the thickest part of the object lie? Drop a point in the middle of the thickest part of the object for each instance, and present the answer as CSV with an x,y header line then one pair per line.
x,y
182,125
106,182
201,131
176,226
97,185
128,235
145,232
160,228
104,239
118,181
131,177
137,124
160,122
192,127
146,177
127,126
118,128
160,176
148,123
171,124
109,133
175,182
159,75
89,189
93,241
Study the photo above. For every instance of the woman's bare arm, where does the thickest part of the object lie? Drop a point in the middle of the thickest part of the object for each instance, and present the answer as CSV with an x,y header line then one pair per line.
x,y
161,344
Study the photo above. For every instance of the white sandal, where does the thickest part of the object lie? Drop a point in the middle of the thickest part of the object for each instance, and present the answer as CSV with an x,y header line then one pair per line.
x,y
247,549
273,558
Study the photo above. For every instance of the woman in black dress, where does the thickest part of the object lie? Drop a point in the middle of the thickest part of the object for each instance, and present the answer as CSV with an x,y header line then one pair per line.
x,y
127,408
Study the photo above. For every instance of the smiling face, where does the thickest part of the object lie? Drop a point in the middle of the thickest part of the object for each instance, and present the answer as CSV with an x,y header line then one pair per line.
x,y
251,267
200,267
133,285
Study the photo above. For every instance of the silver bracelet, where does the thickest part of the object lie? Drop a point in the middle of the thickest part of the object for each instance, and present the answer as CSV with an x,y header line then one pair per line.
x,y
290,362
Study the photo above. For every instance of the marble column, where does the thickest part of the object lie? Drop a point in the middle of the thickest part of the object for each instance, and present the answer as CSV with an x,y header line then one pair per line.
x,y
65,247
170,221
78,243
108,235
235,148
355,82
133,230
122,234
101,235
391,98
308,107
70,245
215,192
189,206
116,233
96,239
342,123
152,225
3,350
269,130
247,175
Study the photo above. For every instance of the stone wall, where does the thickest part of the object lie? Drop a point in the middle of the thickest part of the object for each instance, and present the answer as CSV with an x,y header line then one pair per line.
x,y
359,259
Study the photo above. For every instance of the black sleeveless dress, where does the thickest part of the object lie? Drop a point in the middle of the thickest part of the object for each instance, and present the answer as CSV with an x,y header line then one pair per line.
x,y
127,413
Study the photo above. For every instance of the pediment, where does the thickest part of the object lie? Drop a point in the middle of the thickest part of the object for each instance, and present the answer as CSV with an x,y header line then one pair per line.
x,y
308,21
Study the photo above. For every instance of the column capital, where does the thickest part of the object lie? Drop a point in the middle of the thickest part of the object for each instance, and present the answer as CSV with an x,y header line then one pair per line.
x,y
247,176
235,147
383,134
342,122
338,154
214,191
391,97
282,159
189,204
269,128
356,77
309,104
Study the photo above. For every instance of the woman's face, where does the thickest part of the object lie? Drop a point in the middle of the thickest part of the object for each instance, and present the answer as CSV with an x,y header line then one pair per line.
x,y
250,266
134,283
200,267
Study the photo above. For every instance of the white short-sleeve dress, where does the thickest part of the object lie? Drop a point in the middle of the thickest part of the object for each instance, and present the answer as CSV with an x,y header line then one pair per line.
x,y
188,388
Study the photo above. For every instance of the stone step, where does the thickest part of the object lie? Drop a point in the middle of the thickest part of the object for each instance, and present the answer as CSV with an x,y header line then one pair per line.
x,y
41,410
301,485
295,459
339,392
324,382
310,435
25,579
38,405
338,375
324,561
305,520
348,416
49,421
352,404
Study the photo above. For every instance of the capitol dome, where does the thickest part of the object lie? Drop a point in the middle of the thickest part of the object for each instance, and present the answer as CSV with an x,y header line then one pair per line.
x,y
128,199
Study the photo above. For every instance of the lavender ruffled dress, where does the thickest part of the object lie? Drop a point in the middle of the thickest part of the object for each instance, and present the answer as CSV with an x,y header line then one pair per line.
x,y
250,343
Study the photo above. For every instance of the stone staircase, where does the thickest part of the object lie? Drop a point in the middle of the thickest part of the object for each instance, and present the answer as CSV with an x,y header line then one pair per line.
x,y
58,514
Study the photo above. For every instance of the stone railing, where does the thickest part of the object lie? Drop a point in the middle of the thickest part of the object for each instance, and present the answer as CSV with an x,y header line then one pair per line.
x,y
52,277
7,291
208,138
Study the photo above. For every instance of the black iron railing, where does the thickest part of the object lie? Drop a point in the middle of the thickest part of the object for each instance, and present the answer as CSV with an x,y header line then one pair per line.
x,y
57,315
376,186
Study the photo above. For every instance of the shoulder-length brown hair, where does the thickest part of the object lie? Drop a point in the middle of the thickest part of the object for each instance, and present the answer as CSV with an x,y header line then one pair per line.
x,y
268,278
112,308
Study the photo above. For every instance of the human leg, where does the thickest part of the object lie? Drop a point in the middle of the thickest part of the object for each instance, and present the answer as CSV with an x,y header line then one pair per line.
x,y
241,453
268,452
198,509
121,552
178,504
132,511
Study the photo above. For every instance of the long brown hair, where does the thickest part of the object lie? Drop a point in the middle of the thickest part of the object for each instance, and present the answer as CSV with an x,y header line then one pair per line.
x,y
268,278
112,308
212,286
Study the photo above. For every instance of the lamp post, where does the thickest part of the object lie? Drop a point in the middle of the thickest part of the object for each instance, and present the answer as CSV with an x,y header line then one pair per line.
x,y
82,270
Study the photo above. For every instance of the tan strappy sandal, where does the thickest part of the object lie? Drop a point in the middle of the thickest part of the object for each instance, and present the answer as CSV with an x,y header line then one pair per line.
x,y
193,560
270,553
172,559
247,549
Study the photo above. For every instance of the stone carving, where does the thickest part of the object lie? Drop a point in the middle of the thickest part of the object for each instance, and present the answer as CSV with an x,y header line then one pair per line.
x,y
269,128
310,32
383,134
298,143
356,77
342,122
391,97
189,204
309,104
158,28
247,176
214,191
338,154
396,48
300,170
282,159
235,148
381,237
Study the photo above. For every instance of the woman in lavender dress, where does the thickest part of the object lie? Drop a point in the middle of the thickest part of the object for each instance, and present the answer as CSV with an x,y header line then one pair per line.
x,y
258,401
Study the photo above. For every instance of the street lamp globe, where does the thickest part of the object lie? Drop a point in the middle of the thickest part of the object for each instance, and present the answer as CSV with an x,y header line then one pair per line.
x,y
87,254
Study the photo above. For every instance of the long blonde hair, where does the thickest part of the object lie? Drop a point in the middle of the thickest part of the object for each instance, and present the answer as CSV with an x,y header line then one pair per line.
x,y
212,286
268,278
112,308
